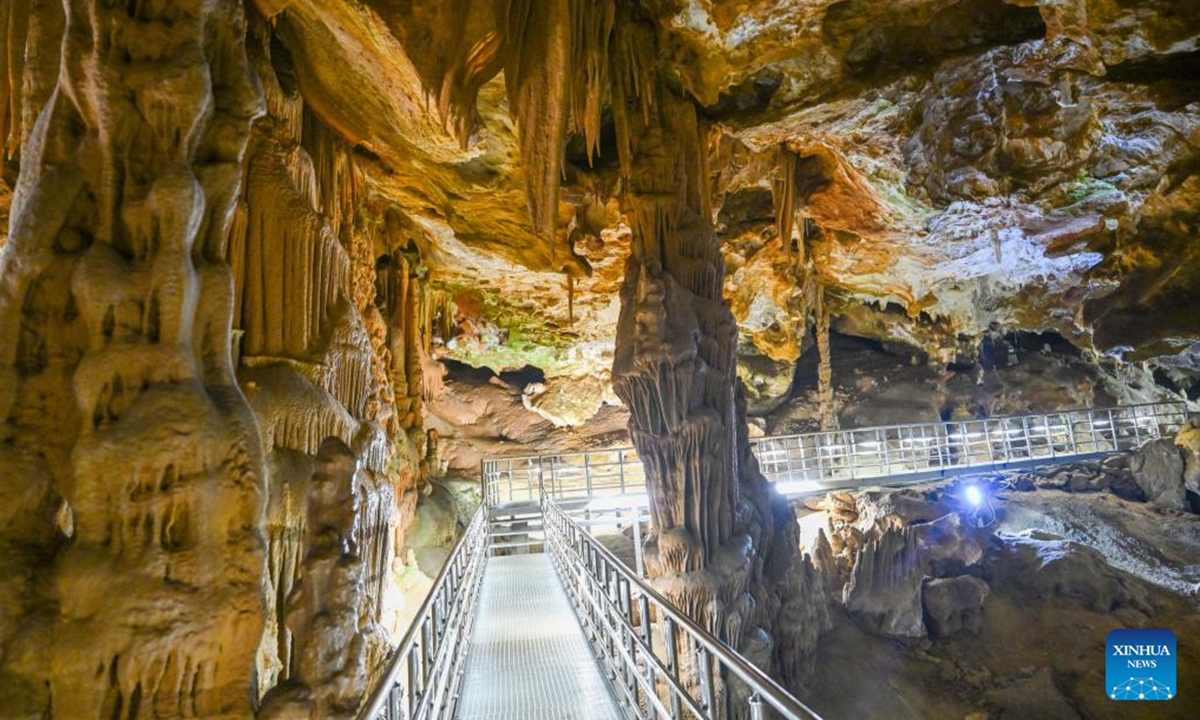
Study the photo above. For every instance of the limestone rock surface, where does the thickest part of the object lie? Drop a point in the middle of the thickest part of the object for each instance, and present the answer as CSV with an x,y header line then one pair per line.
x,y
1158,469
953,605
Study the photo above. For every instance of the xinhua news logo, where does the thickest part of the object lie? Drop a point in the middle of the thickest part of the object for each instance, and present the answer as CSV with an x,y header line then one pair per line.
x,y
1141,665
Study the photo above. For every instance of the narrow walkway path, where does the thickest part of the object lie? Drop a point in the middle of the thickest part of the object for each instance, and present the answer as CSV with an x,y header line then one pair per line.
x,y
528,658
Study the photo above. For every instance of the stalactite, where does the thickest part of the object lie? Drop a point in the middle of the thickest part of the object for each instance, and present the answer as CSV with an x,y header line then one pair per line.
x,y
783,191
570,300
284,313
825,400
539,40
398,294
807,231
591,25
14,24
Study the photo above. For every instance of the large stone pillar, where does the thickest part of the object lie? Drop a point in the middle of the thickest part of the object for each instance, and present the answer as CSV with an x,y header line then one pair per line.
x,y
130,466
724,547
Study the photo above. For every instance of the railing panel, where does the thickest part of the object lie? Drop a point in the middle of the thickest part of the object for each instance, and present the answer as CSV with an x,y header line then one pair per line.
x,y
653,652
421,677
809,462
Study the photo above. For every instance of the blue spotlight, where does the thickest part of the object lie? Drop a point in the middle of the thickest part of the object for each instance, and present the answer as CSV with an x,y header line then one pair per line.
x,y
974,496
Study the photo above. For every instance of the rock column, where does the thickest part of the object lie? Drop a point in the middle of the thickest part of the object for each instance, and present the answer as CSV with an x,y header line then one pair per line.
x,y
725,547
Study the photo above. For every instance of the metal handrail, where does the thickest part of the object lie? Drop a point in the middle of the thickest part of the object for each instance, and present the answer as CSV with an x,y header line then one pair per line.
x,y
850,457
423,673
617,607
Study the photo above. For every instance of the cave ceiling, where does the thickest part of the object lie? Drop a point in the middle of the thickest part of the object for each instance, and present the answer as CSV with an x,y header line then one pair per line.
x,y
1028,163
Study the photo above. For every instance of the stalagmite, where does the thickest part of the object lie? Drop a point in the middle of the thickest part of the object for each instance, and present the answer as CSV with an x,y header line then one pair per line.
x,y
328,663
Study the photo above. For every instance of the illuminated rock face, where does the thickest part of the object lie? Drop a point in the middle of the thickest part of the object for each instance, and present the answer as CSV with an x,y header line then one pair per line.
x,y
723,551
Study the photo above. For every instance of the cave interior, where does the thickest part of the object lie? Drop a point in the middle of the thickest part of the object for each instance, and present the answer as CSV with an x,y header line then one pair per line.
x,y
277,277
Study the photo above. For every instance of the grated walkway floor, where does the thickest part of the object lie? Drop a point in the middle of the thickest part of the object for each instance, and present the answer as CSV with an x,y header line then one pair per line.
x,y
528,658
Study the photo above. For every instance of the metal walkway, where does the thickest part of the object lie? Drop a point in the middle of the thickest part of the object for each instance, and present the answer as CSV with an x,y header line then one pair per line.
x,y
567,631
530,660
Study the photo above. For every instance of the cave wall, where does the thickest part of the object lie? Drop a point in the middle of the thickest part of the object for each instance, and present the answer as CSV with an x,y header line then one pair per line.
x,y
195,341
132,476
328,351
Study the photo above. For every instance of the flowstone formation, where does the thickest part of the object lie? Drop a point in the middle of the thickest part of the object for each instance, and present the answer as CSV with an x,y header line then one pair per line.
x,y
198,297
132,483
328,652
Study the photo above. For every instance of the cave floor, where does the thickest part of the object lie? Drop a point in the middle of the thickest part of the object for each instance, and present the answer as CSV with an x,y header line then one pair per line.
x,y
528,658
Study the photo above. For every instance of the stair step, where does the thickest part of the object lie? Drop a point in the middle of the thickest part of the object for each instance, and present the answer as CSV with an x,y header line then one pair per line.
x,y
507,546
515,532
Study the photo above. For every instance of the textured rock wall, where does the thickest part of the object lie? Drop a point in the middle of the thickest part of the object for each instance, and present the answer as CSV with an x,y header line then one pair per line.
x,y
132,475
321,363
179,216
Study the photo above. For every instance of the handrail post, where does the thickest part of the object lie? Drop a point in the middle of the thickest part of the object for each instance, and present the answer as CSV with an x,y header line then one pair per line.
x,y
542,472
670,641
1091,418
638,561
1049,435
964,445
1026,437
1071,434
510,480
756,707
851,449
413,681
704,672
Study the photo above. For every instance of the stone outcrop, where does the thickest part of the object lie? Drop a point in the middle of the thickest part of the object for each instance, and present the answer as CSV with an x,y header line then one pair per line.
x,y
884,592
953,604
1066,573
1188,442
1158,468
887,584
